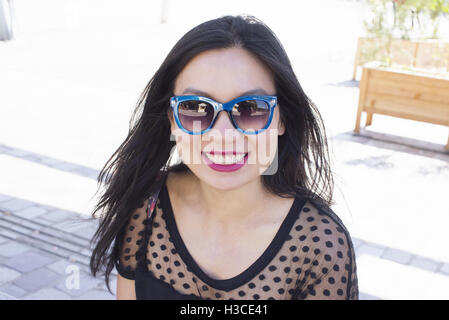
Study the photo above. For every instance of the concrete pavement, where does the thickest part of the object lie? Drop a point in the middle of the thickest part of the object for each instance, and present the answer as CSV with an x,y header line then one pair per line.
x,y
45,250
41,246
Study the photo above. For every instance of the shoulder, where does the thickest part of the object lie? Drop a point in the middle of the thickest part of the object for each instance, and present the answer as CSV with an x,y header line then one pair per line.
x,y
322,216
326,253
324,231
132,230
129,242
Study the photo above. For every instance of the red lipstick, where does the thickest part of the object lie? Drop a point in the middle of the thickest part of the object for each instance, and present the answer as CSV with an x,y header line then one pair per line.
x,y
224,167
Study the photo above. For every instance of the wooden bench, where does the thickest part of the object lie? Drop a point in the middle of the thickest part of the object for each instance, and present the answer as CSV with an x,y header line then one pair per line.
x,y
415,95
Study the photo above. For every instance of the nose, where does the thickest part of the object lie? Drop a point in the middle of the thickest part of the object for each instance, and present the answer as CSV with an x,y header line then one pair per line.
x,y
223,133
223,123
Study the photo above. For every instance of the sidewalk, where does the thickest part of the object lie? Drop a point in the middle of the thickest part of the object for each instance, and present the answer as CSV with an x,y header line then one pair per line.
x,y
44,251
71,80
42,246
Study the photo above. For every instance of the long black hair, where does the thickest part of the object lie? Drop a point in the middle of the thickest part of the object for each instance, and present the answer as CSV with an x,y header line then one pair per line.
x,y
129,174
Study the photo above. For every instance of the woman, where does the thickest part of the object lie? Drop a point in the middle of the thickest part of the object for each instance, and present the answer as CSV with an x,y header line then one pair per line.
x,y
231,222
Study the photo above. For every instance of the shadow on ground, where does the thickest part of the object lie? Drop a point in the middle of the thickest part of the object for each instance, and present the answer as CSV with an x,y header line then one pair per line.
x,y
396,143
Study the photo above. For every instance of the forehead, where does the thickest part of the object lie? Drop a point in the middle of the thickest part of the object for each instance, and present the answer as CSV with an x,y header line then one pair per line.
x,y
224,74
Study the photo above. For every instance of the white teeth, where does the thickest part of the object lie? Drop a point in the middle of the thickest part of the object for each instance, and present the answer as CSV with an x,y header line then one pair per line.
x,y
228,159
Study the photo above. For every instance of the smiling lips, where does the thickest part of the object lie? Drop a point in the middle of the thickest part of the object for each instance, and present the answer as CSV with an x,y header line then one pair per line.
x,y
225,157
225,161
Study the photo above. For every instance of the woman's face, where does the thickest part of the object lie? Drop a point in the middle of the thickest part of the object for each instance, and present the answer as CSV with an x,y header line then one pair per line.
x,y
223,75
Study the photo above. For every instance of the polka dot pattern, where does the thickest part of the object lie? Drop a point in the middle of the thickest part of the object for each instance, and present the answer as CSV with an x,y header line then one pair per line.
x,y
316,261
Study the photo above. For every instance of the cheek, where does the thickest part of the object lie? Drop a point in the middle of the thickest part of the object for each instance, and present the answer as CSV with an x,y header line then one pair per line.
x,y
189,147
276,123
185,143
263,147
268,140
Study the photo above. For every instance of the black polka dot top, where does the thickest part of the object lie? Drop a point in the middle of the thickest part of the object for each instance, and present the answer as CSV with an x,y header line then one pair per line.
x,y
310,257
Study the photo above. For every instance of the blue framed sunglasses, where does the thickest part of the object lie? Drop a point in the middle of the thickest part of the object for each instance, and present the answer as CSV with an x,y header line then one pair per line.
x,y
248,114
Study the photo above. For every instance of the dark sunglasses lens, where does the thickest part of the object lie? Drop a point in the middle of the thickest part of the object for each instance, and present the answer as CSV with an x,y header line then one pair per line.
x,y
251,115
195,115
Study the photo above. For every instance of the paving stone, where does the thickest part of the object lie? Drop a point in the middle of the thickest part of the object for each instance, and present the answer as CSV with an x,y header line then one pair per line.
x,y
86,283
49,161
112,283
74,226
3,240
65,166
96,295
79,259
25,223
47,294
369,249
16,204
17,152
4,197
365,296
19,228
6,224
86,172
357,242
5,296
86,252
37,279
94,175
60,215
444,268
13,248
4,149
9,234
28,261
398,256
7,274
32,157
30,212
13,290
86,232
424,263
61,266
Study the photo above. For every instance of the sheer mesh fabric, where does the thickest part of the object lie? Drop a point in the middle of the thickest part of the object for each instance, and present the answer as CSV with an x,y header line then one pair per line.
x,y
311,257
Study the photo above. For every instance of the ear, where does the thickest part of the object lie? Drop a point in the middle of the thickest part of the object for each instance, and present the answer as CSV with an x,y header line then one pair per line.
x,y
171,118
281,127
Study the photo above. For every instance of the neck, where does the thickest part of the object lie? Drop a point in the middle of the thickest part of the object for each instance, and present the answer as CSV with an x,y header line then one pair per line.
x,y
232,207
223,210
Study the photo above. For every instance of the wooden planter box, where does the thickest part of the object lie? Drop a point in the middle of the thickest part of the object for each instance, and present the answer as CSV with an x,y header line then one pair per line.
x,y
429,54
414,95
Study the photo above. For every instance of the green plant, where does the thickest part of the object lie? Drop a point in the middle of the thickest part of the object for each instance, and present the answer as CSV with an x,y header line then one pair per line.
x,y
404,19
391,21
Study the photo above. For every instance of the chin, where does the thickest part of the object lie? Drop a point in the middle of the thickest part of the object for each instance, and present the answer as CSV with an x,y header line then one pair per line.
x,y
225,180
